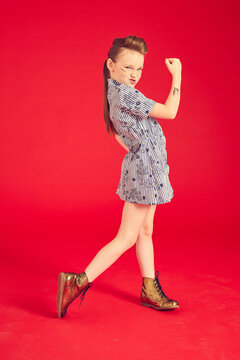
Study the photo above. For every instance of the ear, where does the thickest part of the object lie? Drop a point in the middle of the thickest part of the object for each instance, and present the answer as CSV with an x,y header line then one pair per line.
x,y
109,64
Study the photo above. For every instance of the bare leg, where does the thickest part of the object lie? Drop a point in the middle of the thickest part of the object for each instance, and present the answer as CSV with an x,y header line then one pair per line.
x,y
144,245
133,216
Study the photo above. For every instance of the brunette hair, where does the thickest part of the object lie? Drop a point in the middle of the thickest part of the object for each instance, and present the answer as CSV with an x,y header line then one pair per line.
x,y
131,42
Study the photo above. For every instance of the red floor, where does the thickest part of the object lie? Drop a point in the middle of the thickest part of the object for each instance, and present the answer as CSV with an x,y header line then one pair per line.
x,y
196,268
59,171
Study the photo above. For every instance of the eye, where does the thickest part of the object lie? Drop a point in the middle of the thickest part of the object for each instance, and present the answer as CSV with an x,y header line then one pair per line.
x,y
129,67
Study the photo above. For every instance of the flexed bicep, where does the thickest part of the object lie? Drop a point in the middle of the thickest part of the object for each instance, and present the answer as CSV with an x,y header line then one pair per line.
x,y
160,111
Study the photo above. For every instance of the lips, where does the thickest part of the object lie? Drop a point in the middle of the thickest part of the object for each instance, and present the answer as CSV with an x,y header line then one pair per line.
x,y
133,81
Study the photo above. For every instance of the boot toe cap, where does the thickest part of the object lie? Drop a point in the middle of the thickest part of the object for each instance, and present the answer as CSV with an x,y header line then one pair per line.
x,y
173,303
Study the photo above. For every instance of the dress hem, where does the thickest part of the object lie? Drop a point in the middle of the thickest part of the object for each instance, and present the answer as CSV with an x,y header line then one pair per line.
x,y
135,202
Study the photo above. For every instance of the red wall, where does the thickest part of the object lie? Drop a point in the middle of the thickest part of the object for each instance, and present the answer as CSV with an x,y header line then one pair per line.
x,y
56,156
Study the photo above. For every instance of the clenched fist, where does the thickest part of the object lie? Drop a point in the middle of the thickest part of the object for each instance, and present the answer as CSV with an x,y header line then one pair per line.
x,y
174,65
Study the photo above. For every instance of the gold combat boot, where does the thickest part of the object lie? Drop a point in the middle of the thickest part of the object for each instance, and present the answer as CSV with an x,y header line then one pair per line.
x,y
70,286
153,296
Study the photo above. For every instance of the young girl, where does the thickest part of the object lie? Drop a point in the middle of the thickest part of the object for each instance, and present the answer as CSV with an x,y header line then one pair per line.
x,y
144,182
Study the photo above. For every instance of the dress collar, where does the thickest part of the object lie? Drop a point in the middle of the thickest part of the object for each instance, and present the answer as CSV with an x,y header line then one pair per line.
x,y
113,82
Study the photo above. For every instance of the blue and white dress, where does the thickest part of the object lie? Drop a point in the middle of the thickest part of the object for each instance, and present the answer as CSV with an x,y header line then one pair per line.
x,y
144,172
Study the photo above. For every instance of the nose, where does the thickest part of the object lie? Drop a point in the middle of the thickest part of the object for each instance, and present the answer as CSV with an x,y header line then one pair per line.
x,y
133,74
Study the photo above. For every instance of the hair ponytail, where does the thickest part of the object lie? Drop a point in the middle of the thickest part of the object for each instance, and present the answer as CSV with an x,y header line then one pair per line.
x,y
131,42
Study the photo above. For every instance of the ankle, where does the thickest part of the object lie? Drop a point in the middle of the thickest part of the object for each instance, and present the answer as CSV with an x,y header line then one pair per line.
x,y
148,276
88,277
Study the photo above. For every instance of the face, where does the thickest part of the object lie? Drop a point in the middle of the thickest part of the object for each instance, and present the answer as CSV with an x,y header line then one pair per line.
x,y
127,68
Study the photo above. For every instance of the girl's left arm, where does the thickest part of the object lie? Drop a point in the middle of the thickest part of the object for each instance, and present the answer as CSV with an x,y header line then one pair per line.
x,y
119,139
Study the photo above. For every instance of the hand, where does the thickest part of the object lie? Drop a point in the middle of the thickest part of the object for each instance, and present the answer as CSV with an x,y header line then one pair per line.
x,y
174,65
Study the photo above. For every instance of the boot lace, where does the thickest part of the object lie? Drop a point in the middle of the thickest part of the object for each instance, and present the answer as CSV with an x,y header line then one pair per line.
x,y
84,292
159,288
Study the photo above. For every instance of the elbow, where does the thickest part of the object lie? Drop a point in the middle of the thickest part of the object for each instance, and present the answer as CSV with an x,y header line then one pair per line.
x,y
171,115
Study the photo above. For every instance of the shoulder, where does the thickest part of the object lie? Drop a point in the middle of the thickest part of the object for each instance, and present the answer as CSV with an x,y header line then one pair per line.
x,y
128,89
128,93
135,101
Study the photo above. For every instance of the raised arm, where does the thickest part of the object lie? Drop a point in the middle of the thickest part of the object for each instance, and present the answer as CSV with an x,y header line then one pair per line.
x,y
170,108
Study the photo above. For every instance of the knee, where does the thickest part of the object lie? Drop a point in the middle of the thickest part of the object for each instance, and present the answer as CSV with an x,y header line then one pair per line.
x,y
146,231
128,240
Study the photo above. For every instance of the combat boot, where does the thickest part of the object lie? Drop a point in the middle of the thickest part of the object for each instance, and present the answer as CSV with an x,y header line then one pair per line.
x,y
153,296
70,286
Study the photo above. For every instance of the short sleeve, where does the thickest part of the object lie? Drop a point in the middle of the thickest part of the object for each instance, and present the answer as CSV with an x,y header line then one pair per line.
x,y
133,100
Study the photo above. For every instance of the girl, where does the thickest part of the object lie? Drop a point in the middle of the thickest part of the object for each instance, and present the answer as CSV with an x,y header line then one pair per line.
x,y
144,183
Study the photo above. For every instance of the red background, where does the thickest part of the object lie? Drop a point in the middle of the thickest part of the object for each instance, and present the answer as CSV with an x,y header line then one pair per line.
x,y
60,169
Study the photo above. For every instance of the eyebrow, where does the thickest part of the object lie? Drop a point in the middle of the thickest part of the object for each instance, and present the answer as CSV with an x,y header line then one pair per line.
x,y
131,65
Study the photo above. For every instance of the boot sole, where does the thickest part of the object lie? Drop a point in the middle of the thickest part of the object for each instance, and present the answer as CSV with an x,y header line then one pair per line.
x,y
157,308
61,282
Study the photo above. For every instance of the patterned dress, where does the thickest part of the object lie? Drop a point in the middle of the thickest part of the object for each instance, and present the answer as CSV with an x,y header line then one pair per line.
x,y
144,171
